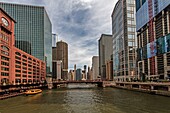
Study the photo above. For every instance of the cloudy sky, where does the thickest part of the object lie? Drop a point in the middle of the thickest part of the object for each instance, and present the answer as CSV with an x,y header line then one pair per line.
x,y
80,23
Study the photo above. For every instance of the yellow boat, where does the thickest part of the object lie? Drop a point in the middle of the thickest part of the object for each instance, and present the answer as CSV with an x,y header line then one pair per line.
x,y
33,91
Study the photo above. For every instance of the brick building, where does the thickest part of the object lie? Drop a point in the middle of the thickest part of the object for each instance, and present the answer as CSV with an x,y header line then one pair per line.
x,y
17,66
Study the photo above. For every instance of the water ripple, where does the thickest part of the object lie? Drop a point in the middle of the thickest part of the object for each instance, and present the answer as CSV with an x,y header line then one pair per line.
x,y
87,100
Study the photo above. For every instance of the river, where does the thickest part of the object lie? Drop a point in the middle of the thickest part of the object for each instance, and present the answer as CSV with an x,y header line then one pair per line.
x,y
87,99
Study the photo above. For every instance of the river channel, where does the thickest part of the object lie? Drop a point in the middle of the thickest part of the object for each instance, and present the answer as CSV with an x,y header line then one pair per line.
x,y
87,99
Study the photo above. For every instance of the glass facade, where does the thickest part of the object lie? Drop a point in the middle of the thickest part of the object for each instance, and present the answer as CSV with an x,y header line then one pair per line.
x,y
153,39
142,11
78,74
124,40
33,30
139,3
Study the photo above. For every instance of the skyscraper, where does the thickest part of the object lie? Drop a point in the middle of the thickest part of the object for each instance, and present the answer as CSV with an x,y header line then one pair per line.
x,y
33,30
124,40
78,74
62,54
153,34
95,67
85,73
105,52
75,71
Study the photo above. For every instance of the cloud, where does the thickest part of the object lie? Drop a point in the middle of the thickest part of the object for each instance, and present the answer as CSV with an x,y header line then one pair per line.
x,y
80,23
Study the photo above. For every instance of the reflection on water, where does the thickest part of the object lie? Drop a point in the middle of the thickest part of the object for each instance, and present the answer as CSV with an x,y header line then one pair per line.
x,y
33,97
81,86
86,99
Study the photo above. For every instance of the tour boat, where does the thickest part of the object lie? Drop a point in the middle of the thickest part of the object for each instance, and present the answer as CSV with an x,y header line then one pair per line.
x,y
33,91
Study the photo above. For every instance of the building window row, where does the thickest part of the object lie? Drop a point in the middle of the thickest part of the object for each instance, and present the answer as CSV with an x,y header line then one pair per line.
x,y
4,69
24,75
17,66
24,68
17,75
4,53
18,71
4,74
5,48
17,53
4,58
4,37
24,60
17,62
18,58
4,63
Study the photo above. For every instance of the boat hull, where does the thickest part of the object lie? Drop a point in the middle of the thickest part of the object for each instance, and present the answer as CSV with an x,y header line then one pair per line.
x,y
33,91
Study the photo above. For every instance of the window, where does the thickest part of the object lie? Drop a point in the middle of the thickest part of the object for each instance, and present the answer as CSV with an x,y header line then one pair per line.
x,y
17,75
24,64
130,8
130,15
5,48
130,36
4,58
24,56
17,81
24,68
130,43
24,80
16,57
131,29
24,60
17,62
17,53
18,71
16,66
24,75
29,59
4,53
131,1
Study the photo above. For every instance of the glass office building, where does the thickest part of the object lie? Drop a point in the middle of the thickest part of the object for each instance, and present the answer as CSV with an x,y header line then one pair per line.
x,y
33,30
153,34
124,40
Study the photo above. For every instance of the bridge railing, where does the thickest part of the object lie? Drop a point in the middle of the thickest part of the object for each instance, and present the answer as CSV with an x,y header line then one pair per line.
x,y
76,81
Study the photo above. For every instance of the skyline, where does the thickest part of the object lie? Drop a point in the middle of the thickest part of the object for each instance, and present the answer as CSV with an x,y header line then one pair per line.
x,y
80,25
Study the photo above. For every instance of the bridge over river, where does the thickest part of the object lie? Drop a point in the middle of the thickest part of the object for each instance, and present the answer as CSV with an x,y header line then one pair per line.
x,y
99,83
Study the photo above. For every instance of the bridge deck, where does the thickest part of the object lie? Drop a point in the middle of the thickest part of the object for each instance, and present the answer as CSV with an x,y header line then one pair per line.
x,y
67,82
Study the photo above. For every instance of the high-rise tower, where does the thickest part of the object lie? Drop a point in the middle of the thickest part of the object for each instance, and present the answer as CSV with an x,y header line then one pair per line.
x,y
153,34
124,40
62,55
105,52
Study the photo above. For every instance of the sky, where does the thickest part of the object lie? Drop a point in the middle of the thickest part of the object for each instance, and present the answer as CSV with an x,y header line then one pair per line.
x,y
80,23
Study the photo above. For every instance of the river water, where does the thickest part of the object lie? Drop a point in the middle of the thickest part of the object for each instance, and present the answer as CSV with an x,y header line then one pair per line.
x,y
87,99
